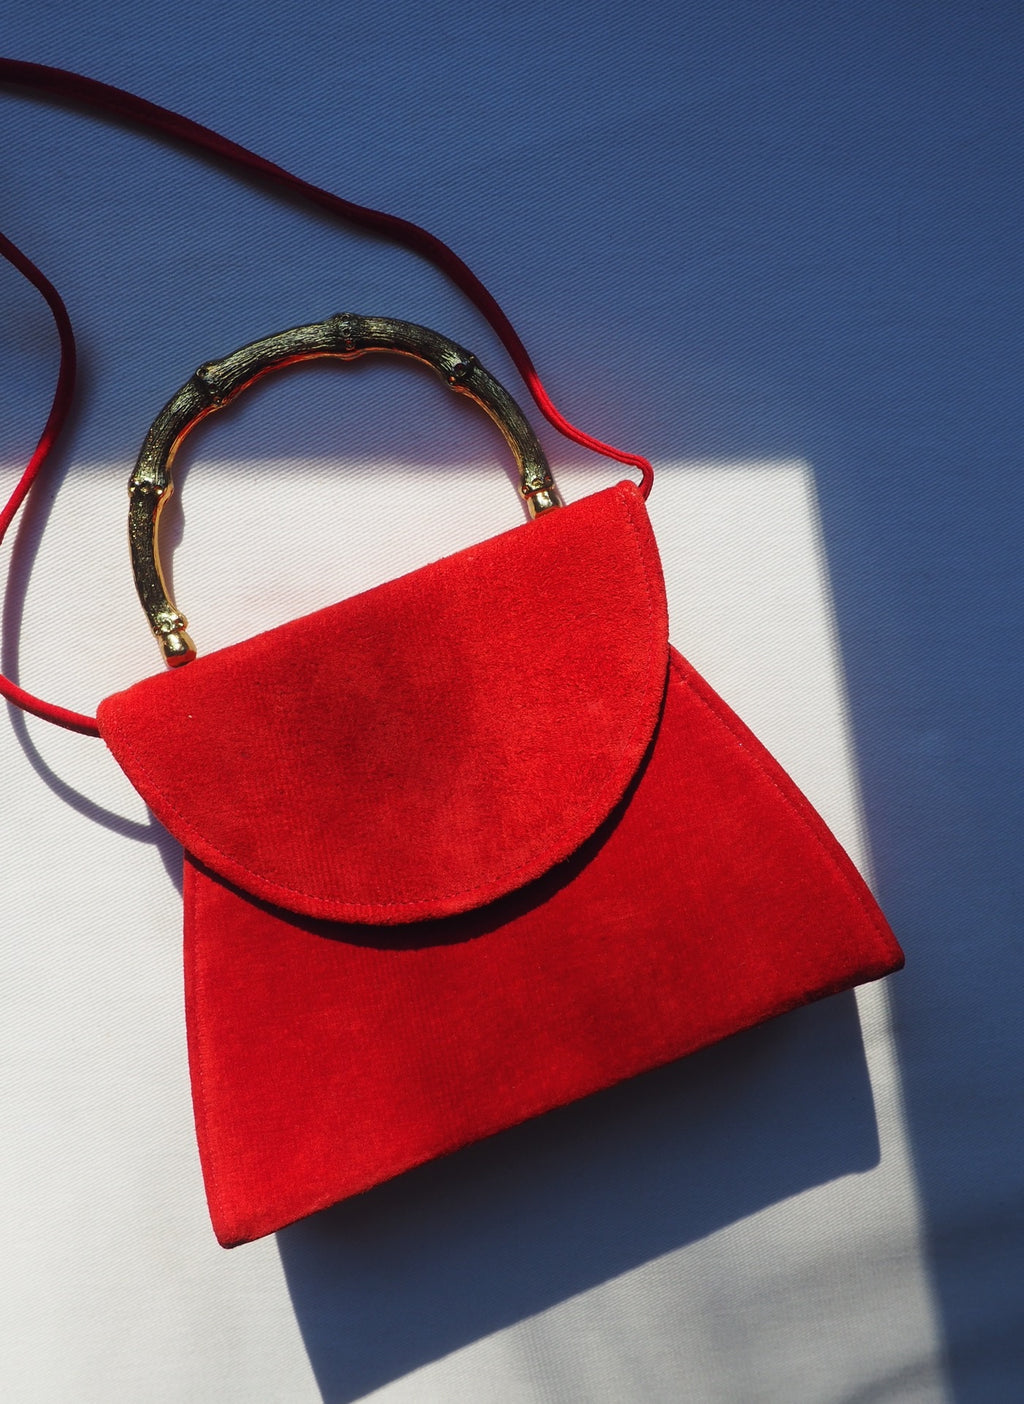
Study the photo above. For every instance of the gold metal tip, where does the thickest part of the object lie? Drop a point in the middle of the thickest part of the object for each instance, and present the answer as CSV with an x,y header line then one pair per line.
x,y
178,648
540,502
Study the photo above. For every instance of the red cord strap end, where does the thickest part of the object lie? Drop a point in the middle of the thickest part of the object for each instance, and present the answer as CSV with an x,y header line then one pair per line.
x,y
49,711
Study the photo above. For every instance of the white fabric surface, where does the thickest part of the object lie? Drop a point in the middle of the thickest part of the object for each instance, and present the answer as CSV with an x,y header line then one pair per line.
x,y
774,248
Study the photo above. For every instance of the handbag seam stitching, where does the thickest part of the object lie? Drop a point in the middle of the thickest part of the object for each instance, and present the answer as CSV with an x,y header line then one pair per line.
x,y
200,1097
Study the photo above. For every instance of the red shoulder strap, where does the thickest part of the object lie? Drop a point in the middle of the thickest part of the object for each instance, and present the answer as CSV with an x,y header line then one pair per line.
x,y
137,112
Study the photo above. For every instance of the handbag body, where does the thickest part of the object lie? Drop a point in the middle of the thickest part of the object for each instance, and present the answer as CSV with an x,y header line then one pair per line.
x,y
462,849
467,846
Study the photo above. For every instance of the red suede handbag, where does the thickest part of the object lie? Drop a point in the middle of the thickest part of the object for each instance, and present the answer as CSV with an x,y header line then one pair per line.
x,y
451,862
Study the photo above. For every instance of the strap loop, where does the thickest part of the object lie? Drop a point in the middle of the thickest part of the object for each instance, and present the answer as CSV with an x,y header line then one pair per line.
x,y
138,112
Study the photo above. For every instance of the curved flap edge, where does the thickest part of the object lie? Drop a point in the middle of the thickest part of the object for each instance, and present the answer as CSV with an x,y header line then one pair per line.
x,y
427,746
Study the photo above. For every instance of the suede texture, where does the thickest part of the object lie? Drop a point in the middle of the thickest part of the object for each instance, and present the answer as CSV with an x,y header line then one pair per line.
x,y
427,746
463,849
327,1058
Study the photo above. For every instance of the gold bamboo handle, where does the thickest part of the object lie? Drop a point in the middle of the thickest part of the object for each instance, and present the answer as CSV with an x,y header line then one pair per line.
x,y
344,337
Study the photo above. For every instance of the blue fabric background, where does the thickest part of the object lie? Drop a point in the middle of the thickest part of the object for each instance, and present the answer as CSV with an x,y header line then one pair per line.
x,y
744,230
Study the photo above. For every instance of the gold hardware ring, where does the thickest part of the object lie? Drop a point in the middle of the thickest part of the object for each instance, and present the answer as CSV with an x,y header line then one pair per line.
x,y
343,337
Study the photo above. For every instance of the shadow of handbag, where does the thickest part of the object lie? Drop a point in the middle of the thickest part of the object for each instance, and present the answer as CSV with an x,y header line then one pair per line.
x,y
454,859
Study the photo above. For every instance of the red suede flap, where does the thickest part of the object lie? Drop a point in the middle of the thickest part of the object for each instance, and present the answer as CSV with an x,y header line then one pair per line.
x,y
427,746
